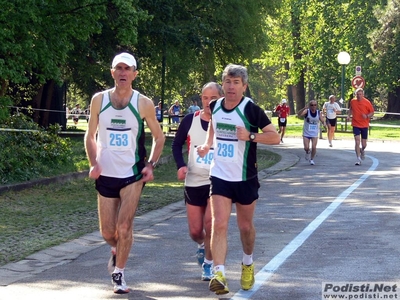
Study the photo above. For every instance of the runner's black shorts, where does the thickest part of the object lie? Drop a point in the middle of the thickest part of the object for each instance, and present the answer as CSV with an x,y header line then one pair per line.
x,y
110,187
332,121
280,124
362,131
242,192
197,195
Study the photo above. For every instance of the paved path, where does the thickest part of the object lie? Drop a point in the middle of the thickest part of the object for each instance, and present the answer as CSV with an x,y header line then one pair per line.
x,y
330,222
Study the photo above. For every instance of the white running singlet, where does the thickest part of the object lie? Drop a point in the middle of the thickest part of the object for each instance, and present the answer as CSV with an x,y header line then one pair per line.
x,y
120,140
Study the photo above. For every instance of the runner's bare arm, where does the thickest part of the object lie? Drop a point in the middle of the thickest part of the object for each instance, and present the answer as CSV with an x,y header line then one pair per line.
x,y
90,136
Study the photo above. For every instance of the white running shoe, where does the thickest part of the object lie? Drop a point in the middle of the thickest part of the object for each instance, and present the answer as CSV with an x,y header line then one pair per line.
x,y
312,162
119,283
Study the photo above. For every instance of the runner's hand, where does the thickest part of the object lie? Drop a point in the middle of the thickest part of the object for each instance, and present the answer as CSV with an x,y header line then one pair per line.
x,y
202,150
147,173
95,171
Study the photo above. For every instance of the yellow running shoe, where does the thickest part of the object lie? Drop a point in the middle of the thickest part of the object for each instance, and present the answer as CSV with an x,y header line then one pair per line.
x,y
218,284
247,280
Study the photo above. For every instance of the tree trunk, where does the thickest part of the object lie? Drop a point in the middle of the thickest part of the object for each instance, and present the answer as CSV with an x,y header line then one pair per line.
x,y
209,65
4,85
299,94
298,89
310,92
393,104
48,96
36,103
289,90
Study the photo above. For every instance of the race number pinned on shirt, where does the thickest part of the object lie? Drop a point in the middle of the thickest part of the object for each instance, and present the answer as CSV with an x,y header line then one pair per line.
x,y
203,162
227,151
282,120
227,143
120,140
313,127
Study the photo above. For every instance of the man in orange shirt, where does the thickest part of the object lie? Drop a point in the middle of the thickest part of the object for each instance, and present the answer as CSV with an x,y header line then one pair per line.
x,y
361,111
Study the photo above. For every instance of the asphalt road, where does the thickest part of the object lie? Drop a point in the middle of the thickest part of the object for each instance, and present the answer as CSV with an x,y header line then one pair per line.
x,y
329,223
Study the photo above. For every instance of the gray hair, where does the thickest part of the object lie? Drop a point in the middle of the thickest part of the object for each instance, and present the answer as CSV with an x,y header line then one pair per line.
x,y
214,85
236,71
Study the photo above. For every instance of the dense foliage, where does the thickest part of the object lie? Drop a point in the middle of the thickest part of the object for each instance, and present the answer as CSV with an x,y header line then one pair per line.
x,y
32,153
178,44
289,46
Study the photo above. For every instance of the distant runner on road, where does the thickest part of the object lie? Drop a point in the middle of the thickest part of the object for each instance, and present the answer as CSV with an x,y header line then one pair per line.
x,y
360,111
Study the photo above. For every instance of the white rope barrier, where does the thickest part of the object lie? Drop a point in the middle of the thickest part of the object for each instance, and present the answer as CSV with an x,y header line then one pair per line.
x,y
39,109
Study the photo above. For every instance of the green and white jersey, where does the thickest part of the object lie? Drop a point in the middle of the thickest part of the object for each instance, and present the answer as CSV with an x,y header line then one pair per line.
x,y
235,160
120,141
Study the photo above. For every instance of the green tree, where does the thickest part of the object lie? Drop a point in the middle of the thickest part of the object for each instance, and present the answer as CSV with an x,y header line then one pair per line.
x,y
386,51
39,40
183,42
306,38
178,42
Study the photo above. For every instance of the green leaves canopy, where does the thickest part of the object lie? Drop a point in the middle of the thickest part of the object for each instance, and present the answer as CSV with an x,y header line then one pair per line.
x,y
41,39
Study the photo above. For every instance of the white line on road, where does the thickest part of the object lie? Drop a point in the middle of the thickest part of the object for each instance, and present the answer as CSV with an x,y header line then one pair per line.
x,y
266,272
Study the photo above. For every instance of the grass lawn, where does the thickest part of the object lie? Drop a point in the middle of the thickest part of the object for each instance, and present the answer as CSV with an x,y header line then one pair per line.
x,y
82,125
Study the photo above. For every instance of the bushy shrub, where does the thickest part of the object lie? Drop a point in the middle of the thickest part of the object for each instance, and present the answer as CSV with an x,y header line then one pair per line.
x,y
30,151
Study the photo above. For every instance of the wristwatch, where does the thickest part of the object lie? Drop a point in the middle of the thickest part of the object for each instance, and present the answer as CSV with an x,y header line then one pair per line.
x,y
152,163
252,136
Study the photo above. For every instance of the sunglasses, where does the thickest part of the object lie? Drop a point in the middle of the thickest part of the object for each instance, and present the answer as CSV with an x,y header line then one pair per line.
x,y
313,104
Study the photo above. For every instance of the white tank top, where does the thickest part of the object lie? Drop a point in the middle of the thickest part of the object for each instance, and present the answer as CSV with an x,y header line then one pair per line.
x,y
230,154
120,140
330,109
199,168
311,124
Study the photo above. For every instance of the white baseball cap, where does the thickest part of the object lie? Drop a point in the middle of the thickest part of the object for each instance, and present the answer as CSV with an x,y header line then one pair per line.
x,y
125,58
283,100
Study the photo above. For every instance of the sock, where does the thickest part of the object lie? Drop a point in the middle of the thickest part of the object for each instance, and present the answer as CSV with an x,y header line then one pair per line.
x,y
200,246
209,262
219,268
247,259
118,270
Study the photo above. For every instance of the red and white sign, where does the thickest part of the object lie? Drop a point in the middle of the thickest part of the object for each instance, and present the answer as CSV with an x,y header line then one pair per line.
x,y
358,82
